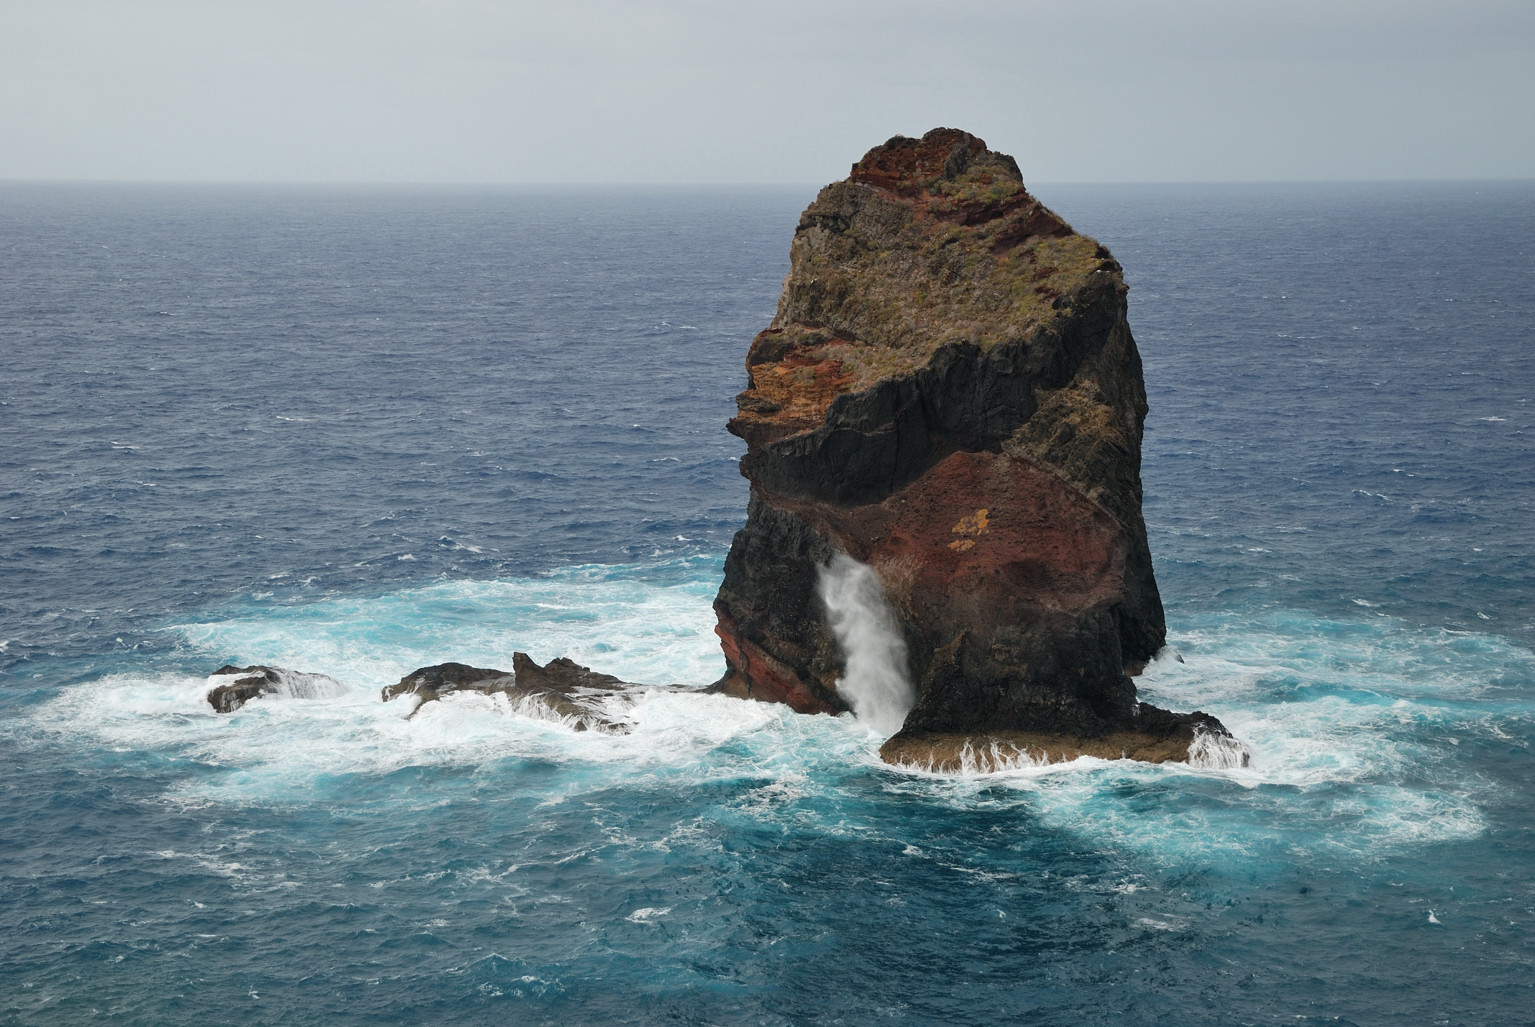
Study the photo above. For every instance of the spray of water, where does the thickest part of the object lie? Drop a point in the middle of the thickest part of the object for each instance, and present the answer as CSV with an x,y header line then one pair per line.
x,y
297,685
875,683
1217,752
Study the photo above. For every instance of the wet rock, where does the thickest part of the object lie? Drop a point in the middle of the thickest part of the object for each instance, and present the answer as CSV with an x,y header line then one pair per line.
x,y
239,685
562,675
560,690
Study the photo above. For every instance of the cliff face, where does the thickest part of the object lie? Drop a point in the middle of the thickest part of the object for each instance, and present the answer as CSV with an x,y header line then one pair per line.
x,y
950,394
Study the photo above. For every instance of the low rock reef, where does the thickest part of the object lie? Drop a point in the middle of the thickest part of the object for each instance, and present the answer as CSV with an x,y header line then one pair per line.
x,y
561,690
950,395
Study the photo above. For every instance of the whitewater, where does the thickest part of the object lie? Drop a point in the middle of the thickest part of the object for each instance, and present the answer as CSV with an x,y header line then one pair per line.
x,y
356,434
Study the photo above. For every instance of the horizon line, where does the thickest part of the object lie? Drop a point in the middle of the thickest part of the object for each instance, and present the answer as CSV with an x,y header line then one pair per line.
x,y
590,185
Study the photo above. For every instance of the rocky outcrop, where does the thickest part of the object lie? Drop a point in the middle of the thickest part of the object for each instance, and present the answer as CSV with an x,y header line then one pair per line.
x,y
1158,736
233,686
560,690
950,393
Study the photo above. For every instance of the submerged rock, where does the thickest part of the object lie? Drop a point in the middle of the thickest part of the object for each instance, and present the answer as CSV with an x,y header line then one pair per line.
x,y
247,683
950,394
561,689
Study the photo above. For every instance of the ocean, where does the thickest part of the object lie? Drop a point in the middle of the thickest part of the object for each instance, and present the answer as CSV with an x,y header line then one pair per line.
x,y
358,431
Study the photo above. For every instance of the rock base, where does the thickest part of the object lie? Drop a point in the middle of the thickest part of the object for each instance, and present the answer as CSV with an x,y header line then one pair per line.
x,y
1173,738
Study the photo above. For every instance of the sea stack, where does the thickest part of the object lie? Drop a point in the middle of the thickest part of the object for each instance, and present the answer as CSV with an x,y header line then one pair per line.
x,y
950,394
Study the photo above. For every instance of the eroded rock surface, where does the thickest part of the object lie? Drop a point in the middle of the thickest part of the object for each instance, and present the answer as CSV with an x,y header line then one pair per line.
x,y
950,393
561,689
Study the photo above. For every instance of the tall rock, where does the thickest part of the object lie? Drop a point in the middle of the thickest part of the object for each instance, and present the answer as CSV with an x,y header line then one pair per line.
x,y
950,394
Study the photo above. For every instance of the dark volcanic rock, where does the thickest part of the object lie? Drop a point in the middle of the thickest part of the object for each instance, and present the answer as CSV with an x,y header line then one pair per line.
x,y
562,688
950,393
562,675
1163,737
247,683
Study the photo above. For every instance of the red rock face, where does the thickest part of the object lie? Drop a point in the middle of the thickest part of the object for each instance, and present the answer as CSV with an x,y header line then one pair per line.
x,y
905,166
757,675
982,537
950,393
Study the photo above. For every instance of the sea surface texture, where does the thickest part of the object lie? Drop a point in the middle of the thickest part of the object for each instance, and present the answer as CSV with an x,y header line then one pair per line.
x,y
357,432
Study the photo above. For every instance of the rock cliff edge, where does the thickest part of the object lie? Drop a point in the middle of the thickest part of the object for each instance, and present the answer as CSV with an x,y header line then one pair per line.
x,y
950,394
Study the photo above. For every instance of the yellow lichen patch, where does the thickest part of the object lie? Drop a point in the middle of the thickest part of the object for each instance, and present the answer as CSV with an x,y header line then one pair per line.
x,y
975,524
962,545
795,391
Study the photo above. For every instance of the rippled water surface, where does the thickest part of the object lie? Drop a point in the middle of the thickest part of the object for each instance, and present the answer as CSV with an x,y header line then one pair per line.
x,y
355,432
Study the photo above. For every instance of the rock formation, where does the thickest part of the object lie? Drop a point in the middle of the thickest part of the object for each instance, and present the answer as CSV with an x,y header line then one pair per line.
x,y
950,393
561,689
233,686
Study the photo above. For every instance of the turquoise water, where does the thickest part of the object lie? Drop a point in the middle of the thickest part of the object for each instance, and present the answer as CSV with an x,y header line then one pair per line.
x,y
359,433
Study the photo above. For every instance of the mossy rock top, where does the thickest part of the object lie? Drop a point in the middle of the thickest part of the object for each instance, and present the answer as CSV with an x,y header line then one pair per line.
x,y
927,242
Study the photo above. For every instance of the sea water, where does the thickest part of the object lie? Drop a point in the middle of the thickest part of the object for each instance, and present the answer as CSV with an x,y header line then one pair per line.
x,y
355,432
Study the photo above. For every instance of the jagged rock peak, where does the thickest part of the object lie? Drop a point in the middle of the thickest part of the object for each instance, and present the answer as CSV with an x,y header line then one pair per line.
x,y
910,166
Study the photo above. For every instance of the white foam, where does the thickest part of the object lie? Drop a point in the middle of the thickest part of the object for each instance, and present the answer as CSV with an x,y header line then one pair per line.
x,y
273,751
1346,722
646,915
1217,752
646,633
986,759
876,681
291,684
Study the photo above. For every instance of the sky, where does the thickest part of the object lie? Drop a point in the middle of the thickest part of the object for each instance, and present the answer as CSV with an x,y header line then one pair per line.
x,y
787,91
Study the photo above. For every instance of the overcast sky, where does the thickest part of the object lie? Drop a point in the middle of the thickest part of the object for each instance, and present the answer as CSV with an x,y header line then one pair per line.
x,y
781,91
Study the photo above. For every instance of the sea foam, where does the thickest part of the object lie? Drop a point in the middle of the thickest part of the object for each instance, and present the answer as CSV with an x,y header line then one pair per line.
x,y
1347,723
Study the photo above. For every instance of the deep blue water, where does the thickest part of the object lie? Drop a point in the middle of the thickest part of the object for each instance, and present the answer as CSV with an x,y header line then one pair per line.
x,y
359,431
